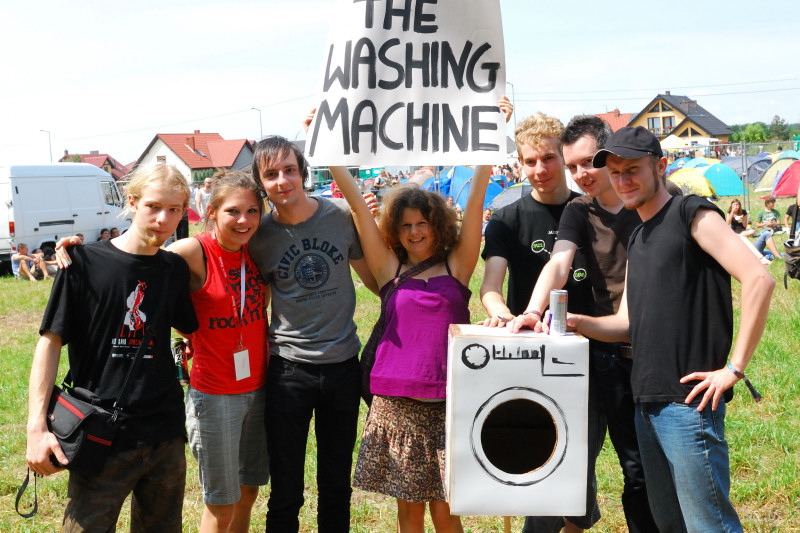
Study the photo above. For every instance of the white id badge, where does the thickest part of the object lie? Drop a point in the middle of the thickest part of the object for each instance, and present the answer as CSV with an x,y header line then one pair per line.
x,y
241,362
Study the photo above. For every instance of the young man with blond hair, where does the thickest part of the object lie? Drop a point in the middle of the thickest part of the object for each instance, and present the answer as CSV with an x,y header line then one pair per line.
x,y
99,308
519,240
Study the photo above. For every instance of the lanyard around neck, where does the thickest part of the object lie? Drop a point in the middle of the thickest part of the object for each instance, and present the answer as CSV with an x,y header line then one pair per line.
x,y
242,286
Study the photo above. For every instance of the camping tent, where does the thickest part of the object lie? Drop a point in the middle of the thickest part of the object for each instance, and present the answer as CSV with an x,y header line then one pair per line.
x,y
756,167
692,181
511,195
723,179
673,142
788,182
459,190
697,162
770,177
677,165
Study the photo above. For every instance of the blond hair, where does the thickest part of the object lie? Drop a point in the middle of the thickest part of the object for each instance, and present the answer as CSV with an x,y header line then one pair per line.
x,y
159,173
535,129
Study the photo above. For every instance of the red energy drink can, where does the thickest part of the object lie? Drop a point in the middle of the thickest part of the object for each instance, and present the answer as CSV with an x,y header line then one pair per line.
x,y
558,312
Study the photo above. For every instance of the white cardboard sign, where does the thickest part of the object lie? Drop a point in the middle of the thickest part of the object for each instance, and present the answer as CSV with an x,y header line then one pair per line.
x,y
411,82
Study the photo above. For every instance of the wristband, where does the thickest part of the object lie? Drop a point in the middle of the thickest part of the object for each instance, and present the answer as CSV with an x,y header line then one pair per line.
x,y
740,375
533,312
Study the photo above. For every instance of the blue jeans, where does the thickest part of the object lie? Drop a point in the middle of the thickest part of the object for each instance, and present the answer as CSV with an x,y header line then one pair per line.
x,y
761,240
295,392
685,458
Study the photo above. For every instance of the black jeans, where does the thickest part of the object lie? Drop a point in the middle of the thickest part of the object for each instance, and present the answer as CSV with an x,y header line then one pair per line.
x,y
613,380
295,392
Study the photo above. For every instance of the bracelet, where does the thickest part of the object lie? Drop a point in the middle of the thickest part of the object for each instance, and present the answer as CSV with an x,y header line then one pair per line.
x,y
533,312
740,375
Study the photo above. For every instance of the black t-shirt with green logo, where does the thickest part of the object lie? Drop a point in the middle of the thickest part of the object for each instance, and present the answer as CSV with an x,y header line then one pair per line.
x,y
524,234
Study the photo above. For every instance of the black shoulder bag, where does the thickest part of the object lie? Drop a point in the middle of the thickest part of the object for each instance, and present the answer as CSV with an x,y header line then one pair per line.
x,y
367,360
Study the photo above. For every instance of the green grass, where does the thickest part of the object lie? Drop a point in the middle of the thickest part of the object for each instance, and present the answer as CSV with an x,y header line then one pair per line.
x,y
763,438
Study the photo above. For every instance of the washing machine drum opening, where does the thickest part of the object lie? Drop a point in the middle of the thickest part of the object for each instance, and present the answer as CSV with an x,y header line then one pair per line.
x,y
519,436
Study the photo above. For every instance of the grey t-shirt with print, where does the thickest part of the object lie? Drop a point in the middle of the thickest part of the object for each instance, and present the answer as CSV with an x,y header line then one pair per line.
x,y
313,297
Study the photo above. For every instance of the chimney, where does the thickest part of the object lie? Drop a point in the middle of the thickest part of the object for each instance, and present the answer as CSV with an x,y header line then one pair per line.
x,y
666,93
197,132
94,152
687,106
616,111
190,142
66,152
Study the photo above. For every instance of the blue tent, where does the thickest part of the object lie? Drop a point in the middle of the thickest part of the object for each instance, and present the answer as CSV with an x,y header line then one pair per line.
x,y
677,165
723,178
459,188
696,162
789,154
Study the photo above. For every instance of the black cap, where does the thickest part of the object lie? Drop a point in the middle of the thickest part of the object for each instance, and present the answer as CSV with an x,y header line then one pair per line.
x,y
628,143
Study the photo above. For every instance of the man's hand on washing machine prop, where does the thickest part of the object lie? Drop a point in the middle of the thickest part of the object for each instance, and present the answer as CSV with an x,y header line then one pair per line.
x,y
498,321
543,325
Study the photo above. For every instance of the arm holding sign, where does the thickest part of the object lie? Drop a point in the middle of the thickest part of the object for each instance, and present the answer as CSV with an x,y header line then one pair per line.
x,y
382,263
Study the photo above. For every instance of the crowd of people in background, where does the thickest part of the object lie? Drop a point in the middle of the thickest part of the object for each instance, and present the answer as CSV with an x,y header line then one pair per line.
x,y
257,382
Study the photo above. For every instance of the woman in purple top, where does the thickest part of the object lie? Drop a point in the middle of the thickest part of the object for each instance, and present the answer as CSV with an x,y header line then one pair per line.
x,y
402,449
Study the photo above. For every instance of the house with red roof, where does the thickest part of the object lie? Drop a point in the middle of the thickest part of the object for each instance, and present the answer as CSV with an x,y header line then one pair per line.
x,y
103,161
198,155
615,119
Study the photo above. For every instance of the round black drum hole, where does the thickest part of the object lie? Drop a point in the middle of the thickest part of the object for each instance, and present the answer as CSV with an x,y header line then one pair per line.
x,y
519,436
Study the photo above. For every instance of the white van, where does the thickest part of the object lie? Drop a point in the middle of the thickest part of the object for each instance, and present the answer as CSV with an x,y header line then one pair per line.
x,y
39,204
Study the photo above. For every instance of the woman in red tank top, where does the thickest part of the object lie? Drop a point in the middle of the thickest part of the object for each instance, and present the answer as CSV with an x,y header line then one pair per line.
x,y
225,398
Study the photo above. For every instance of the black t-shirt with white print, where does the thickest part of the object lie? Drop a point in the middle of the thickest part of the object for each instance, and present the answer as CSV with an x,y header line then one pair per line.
x,y
100,307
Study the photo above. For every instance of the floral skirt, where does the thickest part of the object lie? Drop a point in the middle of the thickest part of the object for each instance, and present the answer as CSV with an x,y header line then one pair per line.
x,y
402,450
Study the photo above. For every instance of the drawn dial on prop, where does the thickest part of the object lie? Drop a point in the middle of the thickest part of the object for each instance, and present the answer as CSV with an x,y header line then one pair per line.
x,y
475,356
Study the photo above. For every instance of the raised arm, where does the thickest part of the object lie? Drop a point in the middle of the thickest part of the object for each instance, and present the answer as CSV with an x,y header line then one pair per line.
x,y
731,253
554,275
464,257
381,261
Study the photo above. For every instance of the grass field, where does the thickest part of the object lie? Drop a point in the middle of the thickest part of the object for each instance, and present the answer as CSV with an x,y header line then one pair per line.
x,y
764,438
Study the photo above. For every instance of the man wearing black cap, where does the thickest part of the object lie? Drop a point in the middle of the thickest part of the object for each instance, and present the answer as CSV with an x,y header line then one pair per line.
x,y
678,312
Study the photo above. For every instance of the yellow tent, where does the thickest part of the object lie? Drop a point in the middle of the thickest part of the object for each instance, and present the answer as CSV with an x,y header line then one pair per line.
x,y
692,181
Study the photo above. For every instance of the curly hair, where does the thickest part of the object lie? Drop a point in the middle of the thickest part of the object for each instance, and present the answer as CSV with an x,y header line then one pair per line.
x,y
432,207
536,128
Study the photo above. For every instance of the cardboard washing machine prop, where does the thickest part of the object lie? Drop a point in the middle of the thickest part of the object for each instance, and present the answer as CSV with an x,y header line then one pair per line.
x,y
517,407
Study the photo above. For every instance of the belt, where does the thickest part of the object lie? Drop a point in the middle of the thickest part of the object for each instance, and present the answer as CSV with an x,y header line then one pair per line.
x,y
625,351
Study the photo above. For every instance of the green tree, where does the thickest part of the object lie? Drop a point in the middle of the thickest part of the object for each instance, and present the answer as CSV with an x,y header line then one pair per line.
x,y
736,133
755,132
779,130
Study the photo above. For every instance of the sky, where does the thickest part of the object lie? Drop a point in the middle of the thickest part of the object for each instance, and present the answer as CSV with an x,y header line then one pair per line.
x,y
111,75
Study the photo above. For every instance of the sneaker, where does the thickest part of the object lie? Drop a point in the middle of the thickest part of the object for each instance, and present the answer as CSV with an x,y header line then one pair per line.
x,y
769,256
765,261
